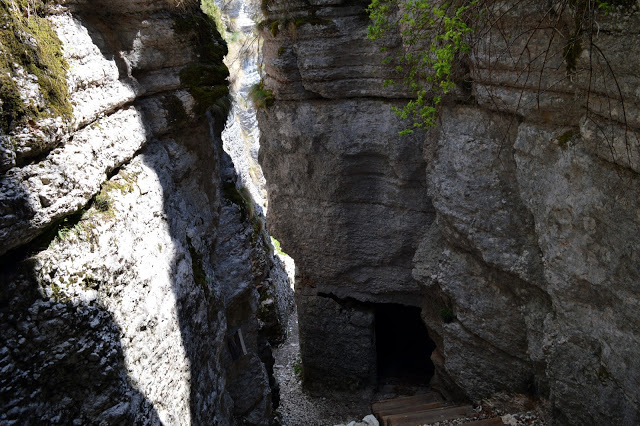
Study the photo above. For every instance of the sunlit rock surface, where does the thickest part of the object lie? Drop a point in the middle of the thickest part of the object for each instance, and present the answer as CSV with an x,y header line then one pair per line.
x,y
137,285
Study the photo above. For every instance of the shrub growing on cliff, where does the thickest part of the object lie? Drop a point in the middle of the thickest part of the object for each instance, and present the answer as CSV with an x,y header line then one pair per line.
x,y
437,36
261,96
428,73
297,367
206,79
210,8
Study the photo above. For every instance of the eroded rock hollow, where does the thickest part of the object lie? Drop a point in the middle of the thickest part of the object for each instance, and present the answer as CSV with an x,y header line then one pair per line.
x,y
513,223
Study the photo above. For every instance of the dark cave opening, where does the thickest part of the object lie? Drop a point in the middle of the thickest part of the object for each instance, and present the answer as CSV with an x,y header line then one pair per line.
x,y
403,345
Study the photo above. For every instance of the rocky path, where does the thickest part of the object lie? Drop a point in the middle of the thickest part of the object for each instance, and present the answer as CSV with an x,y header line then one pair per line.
x,y
297,407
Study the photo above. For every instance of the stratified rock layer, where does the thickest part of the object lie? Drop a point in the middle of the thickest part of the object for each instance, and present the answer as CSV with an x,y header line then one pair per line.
x,y
517,213
134,276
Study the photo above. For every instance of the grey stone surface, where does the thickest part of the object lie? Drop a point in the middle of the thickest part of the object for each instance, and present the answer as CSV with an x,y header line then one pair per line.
x,y
357,196
528,268
128,262
586,216
337,343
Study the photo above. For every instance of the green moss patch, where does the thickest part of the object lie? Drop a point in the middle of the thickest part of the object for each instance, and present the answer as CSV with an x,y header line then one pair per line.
x,y
565,138
206,83
206,80
28,41
176,113
261,96
103,201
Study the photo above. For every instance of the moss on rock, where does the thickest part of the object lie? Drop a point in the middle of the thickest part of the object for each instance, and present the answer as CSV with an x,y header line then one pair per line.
x,y
206,80
28,42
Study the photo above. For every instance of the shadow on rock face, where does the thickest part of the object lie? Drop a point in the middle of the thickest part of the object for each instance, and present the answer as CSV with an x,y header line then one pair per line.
x,y
177,263
61,361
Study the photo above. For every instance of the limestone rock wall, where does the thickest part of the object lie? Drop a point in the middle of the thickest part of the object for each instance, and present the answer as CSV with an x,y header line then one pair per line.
x,y
517,213
131,267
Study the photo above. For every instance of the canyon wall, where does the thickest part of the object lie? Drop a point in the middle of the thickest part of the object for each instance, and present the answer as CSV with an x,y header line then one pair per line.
x,y
514,223
138,285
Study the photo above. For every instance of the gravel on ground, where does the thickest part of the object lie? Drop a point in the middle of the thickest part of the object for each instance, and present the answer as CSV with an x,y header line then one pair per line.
x,y
297,406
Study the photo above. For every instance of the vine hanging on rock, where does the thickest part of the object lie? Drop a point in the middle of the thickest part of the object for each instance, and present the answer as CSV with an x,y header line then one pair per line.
x,y
439,39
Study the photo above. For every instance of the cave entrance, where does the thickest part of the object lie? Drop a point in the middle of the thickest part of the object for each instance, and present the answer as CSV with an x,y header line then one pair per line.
x,y
403,346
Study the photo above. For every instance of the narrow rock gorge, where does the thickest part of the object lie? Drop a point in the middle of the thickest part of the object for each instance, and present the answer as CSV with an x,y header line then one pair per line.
x,y
493,256
513,225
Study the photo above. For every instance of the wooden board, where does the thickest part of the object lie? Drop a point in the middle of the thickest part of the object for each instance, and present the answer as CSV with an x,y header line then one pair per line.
x,y
408,409
428,416
405,401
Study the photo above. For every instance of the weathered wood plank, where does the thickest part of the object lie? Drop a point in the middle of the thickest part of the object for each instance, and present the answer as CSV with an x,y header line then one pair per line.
x,y
405,401
428,416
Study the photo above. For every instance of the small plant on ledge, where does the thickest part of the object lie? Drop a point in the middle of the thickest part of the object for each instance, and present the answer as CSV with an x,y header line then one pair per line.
x,y
297,367
447,316
261,96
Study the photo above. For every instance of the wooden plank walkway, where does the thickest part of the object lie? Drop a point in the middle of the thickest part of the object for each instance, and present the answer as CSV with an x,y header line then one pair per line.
x,y
424,409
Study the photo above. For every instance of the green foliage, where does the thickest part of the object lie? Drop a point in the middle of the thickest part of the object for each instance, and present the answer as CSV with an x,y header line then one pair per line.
x,y
103,201
64,228
125,183
57,293
206,83
446,315
603,6
274,27
297,367
261,96
176,113
435,35
27,41
278,248
607,6
565,138
210,8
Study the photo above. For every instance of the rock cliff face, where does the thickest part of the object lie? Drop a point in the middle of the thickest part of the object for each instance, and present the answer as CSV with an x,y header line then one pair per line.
x,y
137,286
514,223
